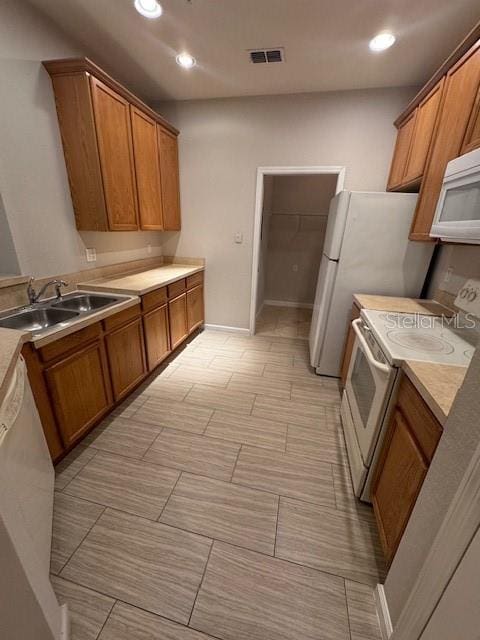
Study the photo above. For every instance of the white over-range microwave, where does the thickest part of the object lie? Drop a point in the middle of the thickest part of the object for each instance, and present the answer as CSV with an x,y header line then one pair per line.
x,y
457,217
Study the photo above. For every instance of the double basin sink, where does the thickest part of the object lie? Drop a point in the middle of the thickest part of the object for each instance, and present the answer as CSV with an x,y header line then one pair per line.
x,y
42,316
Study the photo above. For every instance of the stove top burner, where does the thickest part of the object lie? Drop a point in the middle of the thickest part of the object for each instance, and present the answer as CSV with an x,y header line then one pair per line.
x,y
418,341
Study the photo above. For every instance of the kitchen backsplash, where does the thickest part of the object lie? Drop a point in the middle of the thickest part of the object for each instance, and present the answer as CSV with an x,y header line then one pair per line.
x,y
455,265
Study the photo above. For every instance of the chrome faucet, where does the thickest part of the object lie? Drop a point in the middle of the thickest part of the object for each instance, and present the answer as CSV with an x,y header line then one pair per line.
x,y
34,297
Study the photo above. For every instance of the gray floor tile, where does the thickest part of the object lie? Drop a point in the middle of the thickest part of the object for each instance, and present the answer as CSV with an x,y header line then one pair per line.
x,y
238,515
195,453
251,430
129,623
345,498
316,394
329,540
143,563
87,609
72,520
321,443
291,374
176,415
72,464
134,486
285,474
201,375
268,357
236,365
249,596
123,436
362,614
169,388
259,385
290,411
204,396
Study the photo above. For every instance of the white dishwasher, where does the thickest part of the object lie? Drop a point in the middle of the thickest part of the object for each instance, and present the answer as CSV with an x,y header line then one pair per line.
x,y
28,606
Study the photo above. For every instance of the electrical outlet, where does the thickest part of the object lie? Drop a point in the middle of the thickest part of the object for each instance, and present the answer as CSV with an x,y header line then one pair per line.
x,y
448,275
295,268
91,255
238,237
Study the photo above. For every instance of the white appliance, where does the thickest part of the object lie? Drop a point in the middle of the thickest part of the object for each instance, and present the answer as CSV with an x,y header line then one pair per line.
x,y
457,216
366,250
383,341
28,607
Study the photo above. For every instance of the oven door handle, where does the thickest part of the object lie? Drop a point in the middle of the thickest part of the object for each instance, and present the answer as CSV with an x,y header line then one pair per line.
x,y
384,368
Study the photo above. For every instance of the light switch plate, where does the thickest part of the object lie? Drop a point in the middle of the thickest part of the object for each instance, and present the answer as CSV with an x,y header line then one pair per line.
x,y
91,255
468,298
238,237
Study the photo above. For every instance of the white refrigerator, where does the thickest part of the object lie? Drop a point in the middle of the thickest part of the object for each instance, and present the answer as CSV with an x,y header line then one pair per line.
x,y
366,250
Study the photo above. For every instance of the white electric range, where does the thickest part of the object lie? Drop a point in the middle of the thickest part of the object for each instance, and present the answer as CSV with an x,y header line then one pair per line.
x,y
383,340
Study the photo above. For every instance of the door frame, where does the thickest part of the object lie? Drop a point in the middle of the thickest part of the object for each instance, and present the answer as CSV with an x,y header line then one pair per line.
x,y
257,224
453,538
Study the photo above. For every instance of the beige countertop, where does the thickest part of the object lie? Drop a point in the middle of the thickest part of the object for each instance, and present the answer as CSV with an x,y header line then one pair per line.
x,y
11,342
438,384
401,305
143,282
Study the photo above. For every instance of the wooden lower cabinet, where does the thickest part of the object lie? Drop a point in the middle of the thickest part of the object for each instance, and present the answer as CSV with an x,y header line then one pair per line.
x,y
126,356
195,310
157,336
177,315
347,351
79,386
412,438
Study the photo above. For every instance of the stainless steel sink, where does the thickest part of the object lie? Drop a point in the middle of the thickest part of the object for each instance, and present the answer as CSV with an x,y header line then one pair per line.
x,y
84,302
37,319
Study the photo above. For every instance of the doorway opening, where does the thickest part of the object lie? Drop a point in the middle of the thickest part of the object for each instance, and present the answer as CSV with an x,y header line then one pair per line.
x,y
291,213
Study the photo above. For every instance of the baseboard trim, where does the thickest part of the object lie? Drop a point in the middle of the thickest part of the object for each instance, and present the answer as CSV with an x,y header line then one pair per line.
x,y
288,303
382,612
64,622
221,327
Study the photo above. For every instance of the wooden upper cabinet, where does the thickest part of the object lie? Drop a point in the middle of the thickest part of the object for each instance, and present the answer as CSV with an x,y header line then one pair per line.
x,y
427,113
461,87
147,169
112,117
121,156
414,138
401,151
168,148
472,136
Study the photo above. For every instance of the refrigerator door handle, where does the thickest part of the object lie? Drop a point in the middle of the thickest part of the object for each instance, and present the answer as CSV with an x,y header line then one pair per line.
x,y
384,368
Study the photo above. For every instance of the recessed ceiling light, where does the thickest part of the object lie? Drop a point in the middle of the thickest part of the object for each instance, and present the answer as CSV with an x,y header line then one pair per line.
x,y
148,8
185,60
382,41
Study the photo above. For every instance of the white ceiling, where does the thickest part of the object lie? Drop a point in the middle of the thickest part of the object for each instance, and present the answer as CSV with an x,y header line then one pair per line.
x,y
326,43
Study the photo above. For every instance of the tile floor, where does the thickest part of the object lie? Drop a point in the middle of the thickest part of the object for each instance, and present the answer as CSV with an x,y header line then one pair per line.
x,y
284,322
216,503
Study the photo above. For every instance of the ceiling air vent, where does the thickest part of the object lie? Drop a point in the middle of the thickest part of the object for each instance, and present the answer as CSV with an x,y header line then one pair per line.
x,y
266,56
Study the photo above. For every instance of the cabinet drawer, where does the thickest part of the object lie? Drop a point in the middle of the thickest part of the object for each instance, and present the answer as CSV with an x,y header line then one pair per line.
x,y
176,288
193,280
69,343
423,424
121,318
154,299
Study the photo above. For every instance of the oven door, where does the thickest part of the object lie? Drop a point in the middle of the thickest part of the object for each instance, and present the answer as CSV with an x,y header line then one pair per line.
x,y
368,388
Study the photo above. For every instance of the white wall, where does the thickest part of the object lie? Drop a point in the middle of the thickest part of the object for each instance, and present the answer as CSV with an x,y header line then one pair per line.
x,y
222,143
33,181
262,259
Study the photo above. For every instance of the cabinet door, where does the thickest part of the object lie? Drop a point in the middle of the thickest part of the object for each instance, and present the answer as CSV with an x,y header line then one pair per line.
x,y
126,355
472,137
157,338
168,148
177,315
114,136
80,389
147,169
400,153
402,469
461,86
195,312
347,352
422,135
